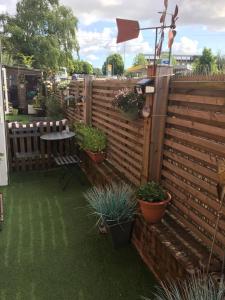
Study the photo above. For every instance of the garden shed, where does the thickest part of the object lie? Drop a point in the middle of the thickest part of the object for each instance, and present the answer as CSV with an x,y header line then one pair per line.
x,y
21,82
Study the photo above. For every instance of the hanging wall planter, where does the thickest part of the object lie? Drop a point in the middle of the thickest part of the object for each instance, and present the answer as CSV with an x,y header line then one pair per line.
x,y
129,103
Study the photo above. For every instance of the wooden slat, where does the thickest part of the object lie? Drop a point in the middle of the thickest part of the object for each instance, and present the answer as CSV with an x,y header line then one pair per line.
x,y
213,130
204,157
136,142
206,144
118,125
134,155
209,202
209,100
136,127
194,165
124,157
199,114
191,178
201,85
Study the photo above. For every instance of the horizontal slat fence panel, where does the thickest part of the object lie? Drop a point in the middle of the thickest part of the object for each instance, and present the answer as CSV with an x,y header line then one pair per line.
x,y
125,137
194,143
27,151
76,113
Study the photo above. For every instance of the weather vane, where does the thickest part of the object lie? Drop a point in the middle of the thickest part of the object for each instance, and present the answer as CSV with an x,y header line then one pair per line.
x,y
130,29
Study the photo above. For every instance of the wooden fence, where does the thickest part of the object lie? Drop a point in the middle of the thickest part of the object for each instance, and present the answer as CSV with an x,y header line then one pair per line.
x,y
27,151
194,143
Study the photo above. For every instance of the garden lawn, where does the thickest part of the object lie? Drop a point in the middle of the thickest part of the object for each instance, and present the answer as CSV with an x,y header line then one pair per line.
x,y
50,247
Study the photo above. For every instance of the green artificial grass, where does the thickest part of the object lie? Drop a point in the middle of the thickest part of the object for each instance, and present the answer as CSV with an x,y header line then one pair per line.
x,y
51,249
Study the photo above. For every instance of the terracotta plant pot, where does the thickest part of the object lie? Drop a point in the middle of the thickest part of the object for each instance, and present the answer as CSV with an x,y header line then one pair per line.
x,y
153,212
97,157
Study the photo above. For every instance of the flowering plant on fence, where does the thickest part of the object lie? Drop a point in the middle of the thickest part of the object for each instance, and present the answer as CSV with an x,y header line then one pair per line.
x,y
129,102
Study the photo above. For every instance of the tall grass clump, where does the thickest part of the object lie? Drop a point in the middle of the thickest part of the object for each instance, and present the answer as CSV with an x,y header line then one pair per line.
x,y
113,202
197,287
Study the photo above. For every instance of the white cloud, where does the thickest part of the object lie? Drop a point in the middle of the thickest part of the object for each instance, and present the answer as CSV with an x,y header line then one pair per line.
x,y
92,57
192,12
93,42
186,46
3,8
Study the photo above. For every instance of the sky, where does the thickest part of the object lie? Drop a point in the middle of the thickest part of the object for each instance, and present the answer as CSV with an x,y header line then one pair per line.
x,y
201,24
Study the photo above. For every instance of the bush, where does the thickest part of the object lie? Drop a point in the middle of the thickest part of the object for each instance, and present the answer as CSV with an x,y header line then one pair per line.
x,y
53,108
90,138
151,192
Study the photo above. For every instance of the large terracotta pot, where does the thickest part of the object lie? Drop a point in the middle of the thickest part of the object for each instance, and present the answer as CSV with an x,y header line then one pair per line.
x,y
153,212
97,157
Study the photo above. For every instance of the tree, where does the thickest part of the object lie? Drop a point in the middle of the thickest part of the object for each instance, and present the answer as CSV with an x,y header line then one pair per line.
x,y
82,67
97,71
206,63
220,61
139,60
43,30
117,64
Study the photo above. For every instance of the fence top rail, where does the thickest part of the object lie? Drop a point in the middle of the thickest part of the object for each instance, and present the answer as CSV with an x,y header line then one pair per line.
x,y
18,125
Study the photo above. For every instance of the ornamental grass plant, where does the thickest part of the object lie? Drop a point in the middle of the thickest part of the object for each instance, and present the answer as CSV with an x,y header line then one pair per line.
x,y
197,287
113,202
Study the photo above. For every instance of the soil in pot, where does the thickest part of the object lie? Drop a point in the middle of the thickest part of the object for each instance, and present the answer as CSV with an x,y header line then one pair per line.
x,y
153,212
120,232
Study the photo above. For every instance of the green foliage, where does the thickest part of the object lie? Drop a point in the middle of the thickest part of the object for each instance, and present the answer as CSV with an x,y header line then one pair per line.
x,y
41,34
26,60
194,288
206,63
53,108
116,61
114,202
97,71
139,60
82,67
151,192
90,138
129,102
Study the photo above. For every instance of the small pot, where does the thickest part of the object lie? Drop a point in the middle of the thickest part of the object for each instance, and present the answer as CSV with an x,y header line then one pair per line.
x,y
153,212
97,157
120,232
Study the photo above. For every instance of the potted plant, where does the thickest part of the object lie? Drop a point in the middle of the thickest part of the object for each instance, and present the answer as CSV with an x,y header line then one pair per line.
x,y
153,200
92,141
115,205
129,103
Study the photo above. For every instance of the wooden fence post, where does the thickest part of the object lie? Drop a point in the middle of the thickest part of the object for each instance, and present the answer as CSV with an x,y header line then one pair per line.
x,y
147,133
159,114
88,99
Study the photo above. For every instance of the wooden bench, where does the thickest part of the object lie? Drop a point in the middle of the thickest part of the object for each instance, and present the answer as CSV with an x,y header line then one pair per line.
x,y
1,211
